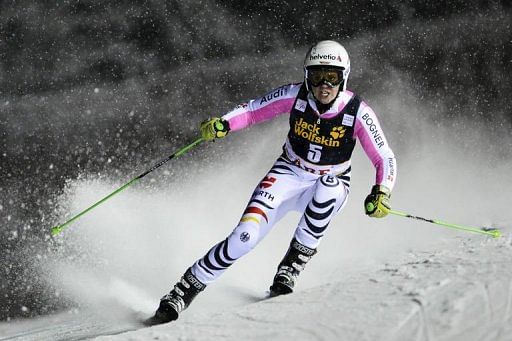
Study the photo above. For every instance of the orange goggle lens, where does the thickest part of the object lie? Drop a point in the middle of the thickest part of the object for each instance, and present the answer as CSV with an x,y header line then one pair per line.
x,y
330,77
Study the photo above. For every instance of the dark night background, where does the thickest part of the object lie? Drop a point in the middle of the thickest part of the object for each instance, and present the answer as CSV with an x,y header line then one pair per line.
x,y
105,88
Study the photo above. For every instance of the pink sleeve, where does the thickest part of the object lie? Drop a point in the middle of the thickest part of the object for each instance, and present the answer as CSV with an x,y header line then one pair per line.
x,y
375,145
274,103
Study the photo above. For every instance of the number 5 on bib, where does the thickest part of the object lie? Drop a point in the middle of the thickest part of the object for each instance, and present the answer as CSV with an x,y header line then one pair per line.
x,y
314,153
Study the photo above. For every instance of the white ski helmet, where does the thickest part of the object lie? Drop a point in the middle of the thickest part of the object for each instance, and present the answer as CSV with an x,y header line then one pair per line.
x,y
328,53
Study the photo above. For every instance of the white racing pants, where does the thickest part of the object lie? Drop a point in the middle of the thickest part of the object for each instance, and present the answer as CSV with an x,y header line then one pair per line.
x,y
286,187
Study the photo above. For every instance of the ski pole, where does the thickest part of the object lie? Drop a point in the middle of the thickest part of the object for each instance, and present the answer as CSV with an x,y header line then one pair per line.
x,y
57,229
491,231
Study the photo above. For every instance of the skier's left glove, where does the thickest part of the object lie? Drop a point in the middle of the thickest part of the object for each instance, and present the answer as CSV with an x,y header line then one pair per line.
x,y
377,204
214,128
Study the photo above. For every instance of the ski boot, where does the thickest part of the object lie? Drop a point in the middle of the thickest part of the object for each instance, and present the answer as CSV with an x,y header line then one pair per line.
x,y
177,300
290,267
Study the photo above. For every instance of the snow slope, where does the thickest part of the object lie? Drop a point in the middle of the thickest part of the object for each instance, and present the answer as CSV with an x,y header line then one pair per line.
x,y
460,291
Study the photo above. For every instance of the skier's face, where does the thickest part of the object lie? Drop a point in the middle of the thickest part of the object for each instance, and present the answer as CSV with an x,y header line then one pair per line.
x,y
324,93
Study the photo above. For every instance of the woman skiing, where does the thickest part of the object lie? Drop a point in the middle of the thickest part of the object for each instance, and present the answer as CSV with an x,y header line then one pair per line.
x,y
312,175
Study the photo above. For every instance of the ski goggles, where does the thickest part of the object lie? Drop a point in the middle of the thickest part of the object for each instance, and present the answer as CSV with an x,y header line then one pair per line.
x,y
331,77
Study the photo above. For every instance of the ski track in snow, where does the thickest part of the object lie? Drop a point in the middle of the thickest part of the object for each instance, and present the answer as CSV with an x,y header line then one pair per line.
x,y
462,291
437,295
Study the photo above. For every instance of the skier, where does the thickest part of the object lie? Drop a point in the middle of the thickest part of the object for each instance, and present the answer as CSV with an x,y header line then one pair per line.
x,y
312,175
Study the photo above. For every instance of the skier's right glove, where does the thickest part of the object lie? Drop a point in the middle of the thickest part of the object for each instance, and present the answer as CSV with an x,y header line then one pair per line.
x,y
377,204
214,128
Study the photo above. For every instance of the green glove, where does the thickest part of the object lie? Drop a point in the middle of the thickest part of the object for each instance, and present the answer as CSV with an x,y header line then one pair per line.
x,y
214,128
377,204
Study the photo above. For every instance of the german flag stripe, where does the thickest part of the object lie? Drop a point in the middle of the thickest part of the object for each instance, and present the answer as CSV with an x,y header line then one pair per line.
x,y
256,210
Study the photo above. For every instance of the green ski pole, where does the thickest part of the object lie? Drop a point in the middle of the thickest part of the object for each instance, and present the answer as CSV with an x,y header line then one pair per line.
x,y
57,229
491,231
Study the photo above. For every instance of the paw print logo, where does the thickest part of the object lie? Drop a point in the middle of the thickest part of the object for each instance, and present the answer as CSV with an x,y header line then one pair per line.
x,y
337,132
